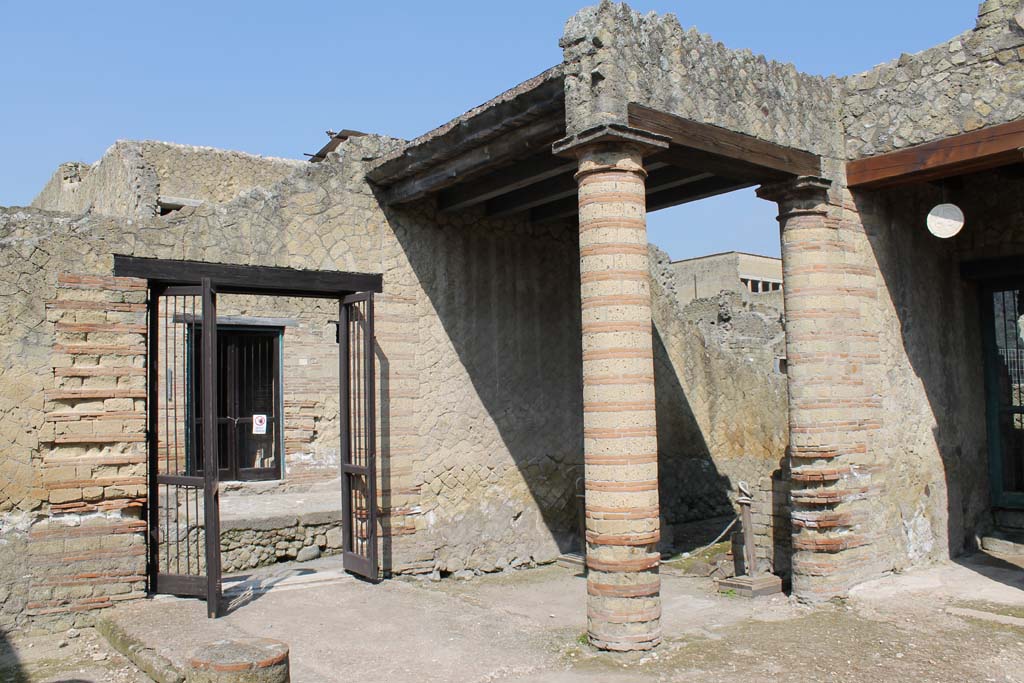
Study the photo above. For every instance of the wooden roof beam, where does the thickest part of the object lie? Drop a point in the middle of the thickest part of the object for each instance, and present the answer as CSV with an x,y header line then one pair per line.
x,y
512,145
979,150
666,186
503,181
713,145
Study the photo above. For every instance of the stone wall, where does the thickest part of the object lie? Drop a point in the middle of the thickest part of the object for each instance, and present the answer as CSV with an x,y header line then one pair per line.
x,y
210,174
478,363
722,415
121,183
937,486
973,80
131,176
614,55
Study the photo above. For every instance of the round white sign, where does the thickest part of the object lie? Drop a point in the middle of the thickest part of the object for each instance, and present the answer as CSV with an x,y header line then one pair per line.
x,y
945,220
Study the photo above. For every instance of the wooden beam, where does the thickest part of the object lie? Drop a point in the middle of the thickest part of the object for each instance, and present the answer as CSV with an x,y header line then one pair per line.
x,y
563,208
525,173
665,187
766,156
510,146
697,161
539,194
551,190
241,279
672,176
540,97
979,150
702,189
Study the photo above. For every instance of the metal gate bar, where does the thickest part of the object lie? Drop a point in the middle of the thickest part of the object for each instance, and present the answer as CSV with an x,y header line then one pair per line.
x,y
182,507
358,435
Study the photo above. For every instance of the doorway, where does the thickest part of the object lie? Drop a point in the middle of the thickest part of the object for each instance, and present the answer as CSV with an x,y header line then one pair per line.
x,y
249,403
1003,310
190,375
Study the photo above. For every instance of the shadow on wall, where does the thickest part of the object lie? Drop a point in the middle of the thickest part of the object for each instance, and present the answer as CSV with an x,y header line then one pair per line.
x,y
690,486
501,429
10,664
937,483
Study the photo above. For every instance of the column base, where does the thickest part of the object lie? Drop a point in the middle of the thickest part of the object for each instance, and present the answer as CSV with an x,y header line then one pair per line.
x,y
637,643
748,587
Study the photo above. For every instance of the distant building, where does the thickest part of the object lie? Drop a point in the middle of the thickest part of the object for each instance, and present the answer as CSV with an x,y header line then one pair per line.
x,y
732,271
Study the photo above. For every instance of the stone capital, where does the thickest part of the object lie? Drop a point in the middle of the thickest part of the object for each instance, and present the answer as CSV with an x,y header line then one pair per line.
x,y
795,188
611,134
803,195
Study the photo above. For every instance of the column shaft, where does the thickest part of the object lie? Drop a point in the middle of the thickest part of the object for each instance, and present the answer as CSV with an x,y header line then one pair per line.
x,y
833,408
619,434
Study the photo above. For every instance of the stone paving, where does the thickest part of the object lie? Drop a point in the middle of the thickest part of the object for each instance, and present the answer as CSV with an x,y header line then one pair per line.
x,y
952,622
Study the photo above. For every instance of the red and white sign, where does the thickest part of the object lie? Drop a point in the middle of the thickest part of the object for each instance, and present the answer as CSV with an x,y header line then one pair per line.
x,y
259,424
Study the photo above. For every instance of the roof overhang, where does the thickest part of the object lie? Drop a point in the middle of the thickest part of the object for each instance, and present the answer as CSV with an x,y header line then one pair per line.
x,y
979,150
499,156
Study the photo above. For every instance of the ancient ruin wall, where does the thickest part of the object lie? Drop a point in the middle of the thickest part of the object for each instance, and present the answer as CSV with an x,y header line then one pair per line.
x,y
973,80
478,375
131,176
615,55
121,183
722,413
209,174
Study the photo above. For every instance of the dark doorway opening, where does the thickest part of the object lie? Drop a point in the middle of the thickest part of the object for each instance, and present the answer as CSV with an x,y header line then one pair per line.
x,y
249,404
1003,311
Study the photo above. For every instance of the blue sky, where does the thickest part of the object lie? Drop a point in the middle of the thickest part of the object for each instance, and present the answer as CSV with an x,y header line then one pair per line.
x,y
270,77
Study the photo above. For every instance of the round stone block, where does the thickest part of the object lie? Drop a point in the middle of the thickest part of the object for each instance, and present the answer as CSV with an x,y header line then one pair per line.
x,y
250,660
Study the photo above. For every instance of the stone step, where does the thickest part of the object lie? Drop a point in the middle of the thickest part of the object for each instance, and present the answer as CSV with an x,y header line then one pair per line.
x,y
1010,519
1004,542
571,560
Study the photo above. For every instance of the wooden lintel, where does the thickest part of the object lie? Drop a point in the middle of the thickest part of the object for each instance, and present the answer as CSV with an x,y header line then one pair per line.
x,y
525,173
979,150
244,279
724,144
512,145
665,187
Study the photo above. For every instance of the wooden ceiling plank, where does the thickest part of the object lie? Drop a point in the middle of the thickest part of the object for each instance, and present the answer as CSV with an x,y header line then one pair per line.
x,y
513,145
528,172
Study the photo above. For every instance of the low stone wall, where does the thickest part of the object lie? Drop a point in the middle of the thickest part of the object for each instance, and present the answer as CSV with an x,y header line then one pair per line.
x,y
243,549
257,530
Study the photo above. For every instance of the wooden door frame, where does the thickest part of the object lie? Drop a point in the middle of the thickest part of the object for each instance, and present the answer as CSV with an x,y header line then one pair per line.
x,y
163,276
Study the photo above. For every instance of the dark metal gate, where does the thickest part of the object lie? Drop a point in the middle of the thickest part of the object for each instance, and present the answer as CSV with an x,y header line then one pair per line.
x,y
358,435
183,506
184,515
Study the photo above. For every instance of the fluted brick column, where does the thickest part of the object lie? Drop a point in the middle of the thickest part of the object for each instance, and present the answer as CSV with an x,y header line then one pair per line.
x,y
619,431
833,353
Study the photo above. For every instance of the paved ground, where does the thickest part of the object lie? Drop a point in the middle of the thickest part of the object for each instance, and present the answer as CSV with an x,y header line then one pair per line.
x,y
952,623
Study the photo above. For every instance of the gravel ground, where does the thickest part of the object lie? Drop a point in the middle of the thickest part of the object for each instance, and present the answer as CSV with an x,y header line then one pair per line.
x,y
79,656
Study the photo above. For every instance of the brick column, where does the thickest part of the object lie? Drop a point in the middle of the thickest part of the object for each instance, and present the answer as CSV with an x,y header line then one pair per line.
x,y
619,434
829,292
